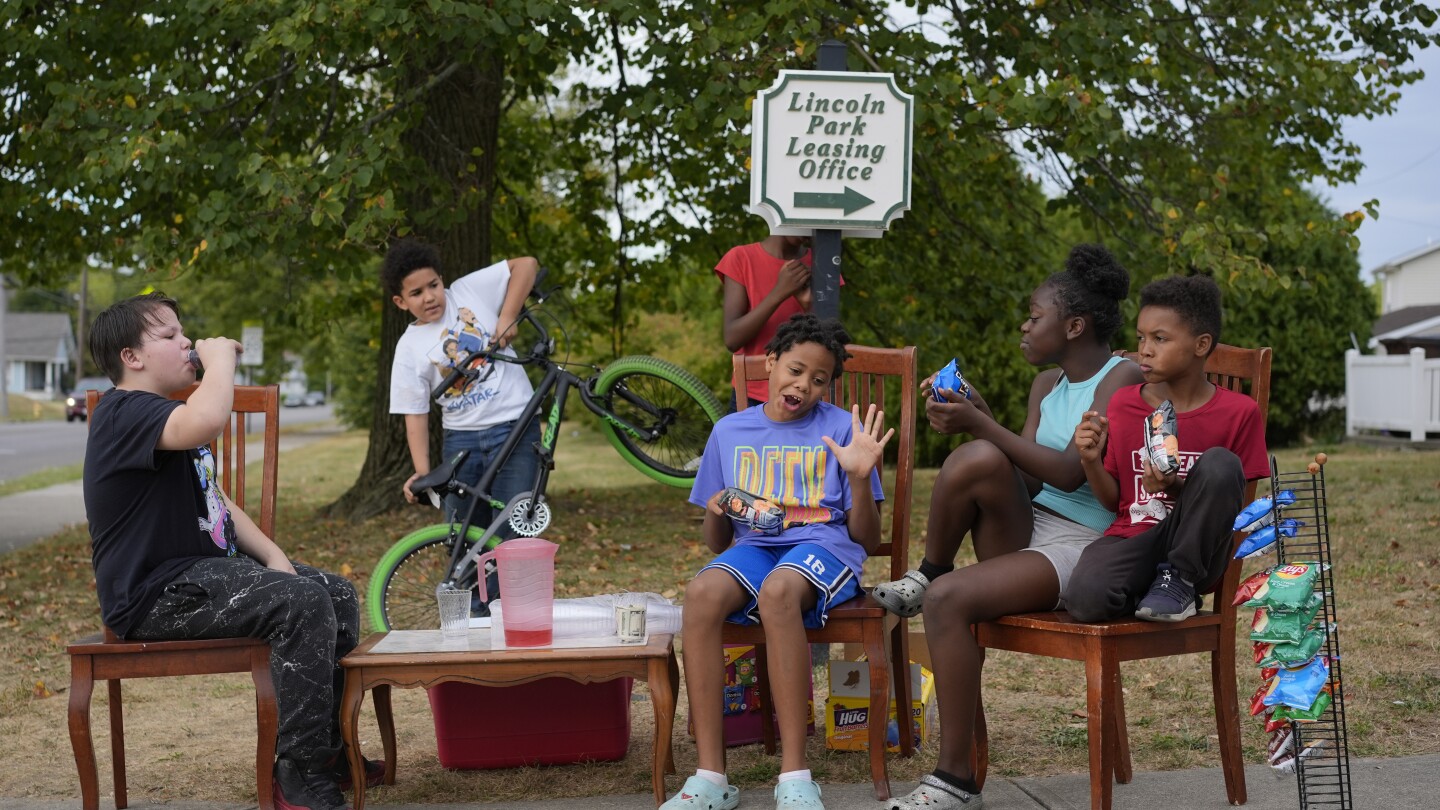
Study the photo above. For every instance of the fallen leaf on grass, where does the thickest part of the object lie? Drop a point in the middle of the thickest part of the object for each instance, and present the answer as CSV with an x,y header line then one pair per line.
x,y
41,690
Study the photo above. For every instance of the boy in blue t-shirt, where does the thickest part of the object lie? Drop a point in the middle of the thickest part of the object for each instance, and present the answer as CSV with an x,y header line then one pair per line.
x,y
818,464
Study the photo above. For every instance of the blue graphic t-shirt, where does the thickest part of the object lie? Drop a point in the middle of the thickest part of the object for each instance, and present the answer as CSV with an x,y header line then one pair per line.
x,y
787,464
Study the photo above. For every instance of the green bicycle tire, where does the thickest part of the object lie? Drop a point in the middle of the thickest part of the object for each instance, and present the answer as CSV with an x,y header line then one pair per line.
x,y
674,458
405,598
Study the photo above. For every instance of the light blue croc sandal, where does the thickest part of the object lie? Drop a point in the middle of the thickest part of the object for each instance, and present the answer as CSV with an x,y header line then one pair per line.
x,y
702,794
798,794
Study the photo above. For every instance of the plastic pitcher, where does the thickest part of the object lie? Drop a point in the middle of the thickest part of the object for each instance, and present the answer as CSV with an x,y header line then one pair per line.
x,y
527,582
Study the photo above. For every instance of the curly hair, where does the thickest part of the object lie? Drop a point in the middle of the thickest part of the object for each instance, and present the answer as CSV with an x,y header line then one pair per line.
x,y
1196,299
807,328
405,257
1092,285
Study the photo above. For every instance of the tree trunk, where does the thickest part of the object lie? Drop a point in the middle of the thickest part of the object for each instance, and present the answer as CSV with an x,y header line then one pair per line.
x,y
450,208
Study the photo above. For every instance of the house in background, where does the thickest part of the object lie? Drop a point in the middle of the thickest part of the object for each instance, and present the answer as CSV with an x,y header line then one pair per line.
x,y
1394,394
1409,304
40,354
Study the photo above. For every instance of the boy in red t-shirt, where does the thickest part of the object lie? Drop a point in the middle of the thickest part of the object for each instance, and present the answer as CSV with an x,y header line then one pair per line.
x,y
1171,531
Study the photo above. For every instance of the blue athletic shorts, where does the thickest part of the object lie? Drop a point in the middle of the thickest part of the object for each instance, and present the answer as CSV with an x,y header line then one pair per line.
x,y
834,582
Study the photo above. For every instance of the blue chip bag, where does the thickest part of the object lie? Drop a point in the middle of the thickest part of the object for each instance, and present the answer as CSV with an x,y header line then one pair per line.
x,y
1261,511
1262,540
949,377
1298,687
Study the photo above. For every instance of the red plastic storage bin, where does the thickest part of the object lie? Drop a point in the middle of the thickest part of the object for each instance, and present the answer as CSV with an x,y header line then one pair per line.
x,y
551,721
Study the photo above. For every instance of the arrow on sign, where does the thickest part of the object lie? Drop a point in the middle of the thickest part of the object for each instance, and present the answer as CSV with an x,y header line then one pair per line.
x,y
851,201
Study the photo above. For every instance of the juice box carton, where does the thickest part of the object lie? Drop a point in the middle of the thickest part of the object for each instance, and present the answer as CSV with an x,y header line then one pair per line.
x,y
847,709
742,718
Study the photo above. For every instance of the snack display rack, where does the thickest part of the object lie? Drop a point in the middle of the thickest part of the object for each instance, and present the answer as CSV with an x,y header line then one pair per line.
x,y
1324,773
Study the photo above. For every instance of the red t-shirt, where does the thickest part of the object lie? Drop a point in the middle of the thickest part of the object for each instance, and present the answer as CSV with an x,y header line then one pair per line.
x,y
757,271
1228,420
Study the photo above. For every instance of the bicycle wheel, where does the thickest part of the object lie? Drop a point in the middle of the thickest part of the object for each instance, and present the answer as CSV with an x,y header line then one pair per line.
x,y
657,395
401,595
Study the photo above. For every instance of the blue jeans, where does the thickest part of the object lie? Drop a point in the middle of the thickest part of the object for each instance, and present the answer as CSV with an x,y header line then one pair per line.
x,y
516,476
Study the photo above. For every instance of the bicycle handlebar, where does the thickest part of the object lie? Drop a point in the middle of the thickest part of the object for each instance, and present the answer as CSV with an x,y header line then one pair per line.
x,y
471,363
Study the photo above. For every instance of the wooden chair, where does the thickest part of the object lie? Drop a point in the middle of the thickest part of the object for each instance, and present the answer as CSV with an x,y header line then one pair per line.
x,y
106,657
1104,645
868,374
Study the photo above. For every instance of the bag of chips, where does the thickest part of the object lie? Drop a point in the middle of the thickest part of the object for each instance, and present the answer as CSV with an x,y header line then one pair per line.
x,y
1286,654
1287,587
949,377
1250,585
1286,762
1262,511
1160,440
1298,687
1308,715
1277,626
752,512
1262,540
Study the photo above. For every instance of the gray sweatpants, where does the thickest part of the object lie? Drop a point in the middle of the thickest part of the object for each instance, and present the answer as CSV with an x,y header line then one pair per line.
x,y
311,621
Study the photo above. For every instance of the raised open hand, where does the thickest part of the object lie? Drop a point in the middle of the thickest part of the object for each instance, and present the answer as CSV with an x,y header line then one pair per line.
x,y
867,443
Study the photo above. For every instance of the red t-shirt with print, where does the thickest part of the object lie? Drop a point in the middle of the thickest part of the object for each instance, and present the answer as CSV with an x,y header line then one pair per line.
x,y
1228,420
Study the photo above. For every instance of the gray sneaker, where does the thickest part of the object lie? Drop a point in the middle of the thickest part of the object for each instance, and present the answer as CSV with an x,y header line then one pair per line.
x,y
935,793
905,596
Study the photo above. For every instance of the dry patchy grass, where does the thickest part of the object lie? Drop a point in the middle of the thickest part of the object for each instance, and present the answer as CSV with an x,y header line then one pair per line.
x,y
193,737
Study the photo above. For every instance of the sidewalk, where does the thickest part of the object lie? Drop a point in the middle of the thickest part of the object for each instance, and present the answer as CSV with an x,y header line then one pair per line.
x,y
1408,783
27,517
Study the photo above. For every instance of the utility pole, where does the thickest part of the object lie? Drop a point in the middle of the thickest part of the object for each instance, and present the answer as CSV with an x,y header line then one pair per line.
x,y
825,242
4,363
84,318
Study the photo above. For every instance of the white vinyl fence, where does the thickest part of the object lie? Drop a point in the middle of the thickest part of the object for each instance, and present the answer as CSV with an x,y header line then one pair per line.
x,y
1399,393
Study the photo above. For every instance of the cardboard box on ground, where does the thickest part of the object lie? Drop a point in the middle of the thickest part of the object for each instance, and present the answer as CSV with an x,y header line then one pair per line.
x,y
742,698
847,710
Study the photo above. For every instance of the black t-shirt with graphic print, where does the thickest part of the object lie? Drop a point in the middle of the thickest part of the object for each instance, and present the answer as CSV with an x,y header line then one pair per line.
x,y
152,512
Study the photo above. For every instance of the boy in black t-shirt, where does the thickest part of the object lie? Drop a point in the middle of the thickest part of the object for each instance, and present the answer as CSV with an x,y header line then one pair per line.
x,y
174,558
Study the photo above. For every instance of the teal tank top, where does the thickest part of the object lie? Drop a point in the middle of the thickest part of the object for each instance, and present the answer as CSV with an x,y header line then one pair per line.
x,y
1060,412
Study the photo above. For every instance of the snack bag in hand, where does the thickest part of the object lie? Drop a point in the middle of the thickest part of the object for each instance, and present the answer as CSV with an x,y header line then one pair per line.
x,y
752,511
1160,441
949,377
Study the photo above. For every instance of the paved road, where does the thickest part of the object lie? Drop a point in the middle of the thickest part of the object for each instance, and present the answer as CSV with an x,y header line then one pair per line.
x,y
27,447
34,515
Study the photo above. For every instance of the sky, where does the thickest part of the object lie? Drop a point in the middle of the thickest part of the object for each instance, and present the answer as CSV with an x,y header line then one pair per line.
x,y
1402,170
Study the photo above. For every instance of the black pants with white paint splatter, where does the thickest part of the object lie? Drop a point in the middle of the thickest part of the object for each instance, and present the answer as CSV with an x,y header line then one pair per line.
x,y
311,621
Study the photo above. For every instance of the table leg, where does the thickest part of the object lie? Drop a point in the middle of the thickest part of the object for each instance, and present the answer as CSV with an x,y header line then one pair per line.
x,y
662,699
673,665
381,695
349,733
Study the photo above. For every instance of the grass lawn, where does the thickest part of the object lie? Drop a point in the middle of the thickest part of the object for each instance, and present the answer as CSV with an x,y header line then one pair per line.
x,y
194,737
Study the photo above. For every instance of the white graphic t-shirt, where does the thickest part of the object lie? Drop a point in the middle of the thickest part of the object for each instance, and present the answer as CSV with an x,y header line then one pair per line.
x,y
427,352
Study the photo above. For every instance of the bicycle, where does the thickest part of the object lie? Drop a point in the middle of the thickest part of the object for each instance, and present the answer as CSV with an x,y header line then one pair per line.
x,y
656,415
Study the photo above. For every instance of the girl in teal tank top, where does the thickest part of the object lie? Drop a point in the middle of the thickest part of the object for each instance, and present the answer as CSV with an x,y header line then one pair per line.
x,y
992,488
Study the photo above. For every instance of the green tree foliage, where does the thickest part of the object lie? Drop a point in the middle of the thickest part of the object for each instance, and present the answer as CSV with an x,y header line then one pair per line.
x,y
611,140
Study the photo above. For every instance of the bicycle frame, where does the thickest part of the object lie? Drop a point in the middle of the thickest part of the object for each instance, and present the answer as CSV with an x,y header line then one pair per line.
x,y
557,380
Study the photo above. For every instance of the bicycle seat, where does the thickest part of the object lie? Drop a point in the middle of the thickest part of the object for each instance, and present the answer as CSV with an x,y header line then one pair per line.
x,y
437,478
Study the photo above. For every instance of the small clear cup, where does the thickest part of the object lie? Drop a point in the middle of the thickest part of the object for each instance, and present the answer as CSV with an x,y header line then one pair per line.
x,y
454,611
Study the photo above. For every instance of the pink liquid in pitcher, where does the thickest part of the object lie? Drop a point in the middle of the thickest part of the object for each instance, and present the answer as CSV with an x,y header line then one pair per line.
x,y
527,589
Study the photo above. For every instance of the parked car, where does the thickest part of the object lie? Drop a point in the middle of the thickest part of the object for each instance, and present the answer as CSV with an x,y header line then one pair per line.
x,y
75,407
307,399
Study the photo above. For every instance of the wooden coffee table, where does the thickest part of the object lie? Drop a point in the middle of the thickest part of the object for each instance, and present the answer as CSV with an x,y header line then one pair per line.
x,y
411,658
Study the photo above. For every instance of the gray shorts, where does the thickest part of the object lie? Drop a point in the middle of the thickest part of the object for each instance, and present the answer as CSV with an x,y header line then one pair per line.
x,y
1061,541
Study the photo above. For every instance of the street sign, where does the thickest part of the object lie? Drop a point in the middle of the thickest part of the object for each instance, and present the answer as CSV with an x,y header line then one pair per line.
x,y
252,337
831,150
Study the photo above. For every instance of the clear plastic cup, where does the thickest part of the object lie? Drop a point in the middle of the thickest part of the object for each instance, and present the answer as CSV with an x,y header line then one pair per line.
x,y
454,611
630,618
